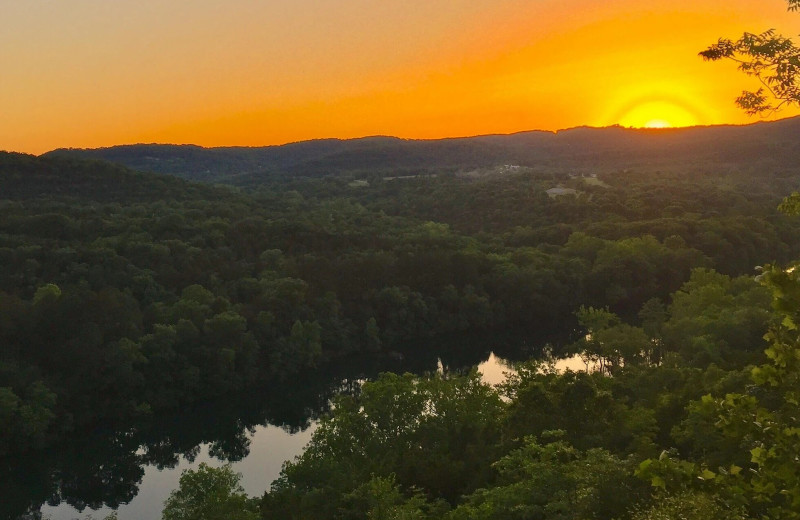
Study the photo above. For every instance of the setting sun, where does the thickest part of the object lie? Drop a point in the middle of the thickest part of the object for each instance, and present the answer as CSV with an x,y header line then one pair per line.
x,y
660,114
89,74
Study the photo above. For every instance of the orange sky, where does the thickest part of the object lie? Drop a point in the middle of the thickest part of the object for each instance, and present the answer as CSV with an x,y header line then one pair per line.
x,y
88,73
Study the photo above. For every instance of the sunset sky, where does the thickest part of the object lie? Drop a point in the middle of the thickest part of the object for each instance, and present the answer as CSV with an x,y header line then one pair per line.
x,y
89,73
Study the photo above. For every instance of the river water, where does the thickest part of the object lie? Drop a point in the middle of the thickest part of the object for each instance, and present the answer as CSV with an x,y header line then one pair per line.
x,y
270,446
256,451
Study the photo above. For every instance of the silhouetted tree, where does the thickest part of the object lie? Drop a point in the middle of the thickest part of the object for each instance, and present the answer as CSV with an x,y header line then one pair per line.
x,y
769,57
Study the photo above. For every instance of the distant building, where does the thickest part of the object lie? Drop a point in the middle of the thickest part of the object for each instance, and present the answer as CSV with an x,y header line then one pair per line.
x,y
557,192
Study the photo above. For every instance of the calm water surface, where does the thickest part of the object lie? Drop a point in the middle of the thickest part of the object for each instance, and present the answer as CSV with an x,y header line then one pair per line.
x,y
269,447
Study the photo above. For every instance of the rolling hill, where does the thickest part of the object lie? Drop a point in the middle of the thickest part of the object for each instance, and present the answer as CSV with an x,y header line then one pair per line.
x,y
583,149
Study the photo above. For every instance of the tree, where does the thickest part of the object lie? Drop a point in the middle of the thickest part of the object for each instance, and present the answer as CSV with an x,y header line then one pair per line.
x,y
769,57
209,494
689,506
609,342
553,481
382,499
717,319
437,434
762,475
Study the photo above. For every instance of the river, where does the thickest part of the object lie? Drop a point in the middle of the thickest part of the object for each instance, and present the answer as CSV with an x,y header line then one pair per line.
x,y
135,474
269,447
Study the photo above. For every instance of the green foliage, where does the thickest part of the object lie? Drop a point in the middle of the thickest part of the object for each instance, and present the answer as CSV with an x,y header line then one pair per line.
x,y
436,434
653,314
610,344
588,408
46,293
790,205
595,320
716,319
26,419
126,295
689,506
209,494
380,498
553,481
757,431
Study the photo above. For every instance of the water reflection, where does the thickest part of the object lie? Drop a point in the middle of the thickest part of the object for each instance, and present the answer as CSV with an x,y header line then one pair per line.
x,y
268,445
133,469
495,369
109,466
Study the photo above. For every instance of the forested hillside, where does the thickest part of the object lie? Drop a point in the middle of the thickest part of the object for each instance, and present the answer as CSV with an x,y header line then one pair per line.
x,y
748,148
125,294
154,292
655,434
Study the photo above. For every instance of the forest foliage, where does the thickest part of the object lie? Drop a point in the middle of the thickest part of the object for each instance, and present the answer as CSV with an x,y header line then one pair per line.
x,y
152,293
668,439
126,295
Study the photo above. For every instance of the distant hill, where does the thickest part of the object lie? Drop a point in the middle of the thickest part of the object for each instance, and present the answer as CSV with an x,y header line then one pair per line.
x,y
54,177
584,149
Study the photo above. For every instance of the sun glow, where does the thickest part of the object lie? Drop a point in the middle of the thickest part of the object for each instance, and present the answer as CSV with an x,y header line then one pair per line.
x,y
255,73
658,123
658,114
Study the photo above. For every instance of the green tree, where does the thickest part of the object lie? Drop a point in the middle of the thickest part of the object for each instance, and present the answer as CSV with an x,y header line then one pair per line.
x,y
761,428
554,481
439,434
49,292
774,61
579,404
372,335
382,499
610,343
717,319
689,506
209,494
9,404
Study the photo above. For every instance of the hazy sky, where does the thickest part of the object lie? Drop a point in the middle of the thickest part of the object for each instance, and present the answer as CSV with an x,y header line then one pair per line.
x,y
87,73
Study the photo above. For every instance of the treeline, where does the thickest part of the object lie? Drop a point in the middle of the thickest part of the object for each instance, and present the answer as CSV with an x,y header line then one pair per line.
x,y
124,294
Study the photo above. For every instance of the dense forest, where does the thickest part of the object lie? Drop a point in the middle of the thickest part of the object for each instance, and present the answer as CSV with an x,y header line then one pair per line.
x,y
126,295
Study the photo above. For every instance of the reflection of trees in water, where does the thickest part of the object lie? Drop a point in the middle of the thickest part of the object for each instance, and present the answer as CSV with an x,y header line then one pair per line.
x,y
107,466
463,354
94,470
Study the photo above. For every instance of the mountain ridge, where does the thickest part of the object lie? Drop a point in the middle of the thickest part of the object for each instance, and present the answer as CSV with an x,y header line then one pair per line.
x,y
581,148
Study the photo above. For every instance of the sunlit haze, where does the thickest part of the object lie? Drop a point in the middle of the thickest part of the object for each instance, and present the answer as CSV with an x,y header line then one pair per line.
x,y
89,73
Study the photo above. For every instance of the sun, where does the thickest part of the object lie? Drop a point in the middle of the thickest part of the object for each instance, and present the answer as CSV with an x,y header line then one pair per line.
x,y
657,112
658,123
